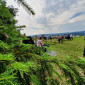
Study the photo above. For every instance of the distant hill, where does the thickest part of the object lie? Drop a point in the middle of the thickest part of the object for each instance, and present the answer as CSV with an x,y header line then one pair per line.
x,y
80,33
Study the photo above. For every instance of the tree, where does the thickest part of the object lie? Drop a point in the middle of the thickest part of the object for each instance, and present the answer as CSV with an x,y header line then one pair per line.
x,y
26,64
26,6
13,10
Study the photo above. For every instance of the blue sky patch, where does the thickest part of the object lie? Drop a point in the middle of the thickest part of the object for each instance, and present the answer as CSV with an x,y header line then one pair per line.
x,y
77,14
37,28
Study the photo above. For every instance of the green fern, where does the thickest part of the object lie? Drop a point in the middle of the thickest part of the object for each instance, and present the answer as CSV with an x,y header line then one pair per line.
x,y
7,57
35,80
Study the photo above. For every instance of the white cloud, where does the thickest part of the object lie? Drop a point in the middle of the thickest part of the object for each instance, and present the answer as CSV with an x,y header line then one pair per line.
x,y
50,15
61,18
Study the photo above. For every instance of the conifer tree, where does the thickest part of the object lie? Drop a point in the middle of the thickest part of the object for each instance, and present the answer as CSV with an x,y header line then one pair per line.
x,y
26,64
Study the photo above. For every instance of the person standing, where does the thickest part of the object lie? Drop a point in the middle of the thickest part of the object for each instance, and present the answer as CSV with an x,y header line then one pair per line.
x,y
59,38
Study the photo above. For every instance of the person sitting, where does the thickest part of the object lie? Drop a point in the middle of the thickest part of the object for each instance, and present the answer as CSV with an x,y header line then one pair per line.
x,y
29,40
40,44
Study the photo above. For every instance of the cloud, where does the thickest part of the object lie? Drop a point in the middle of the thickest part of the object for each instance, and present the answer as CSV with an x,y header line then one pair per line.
x,y
52,16
73,26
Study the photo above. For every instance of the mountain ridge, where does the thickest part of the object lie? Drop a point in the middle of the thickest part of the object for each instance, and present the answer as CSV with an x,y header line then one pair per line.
x,y
80,33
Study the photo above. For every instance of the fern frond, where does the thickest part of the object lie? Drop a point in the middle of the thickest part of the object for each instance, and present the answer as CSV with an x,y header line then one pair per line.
x,y
25,67
58,75
7,78
35,80
20,66
4,57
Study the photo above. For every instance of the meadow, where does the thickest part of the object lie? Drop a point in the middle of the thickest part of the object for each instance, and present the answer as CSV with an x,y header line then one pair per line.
x,y
72,48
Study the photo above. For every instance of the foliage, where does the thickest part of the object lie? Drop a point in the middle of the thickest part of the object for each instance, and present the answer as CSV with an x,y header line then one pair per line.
x,y
26,64
13,10
26,6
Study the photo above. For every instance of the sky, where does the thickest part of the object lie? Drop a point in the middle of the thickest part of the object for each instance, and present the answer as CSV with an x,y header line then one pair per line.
x,y
51,16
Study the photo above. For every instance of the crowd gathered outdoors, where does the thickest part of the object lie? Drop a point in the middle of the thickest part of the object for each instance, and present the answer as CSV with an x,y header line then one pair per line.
x,y
38,40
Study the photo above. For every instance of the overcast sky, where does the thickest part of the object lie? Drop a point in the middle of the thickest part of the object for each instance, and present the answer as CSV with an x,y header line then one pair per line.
x,y
51,16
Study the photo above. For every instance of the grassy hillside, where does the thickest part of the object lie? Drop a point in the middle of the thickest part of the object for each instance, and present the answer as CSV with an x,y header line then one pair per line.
x,y
72,48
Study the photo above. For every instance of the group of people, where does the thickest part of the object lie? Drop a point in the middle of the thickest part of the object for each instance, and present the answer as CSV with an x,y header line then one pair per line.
x,y
61,38
68,36
31,41
39,41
